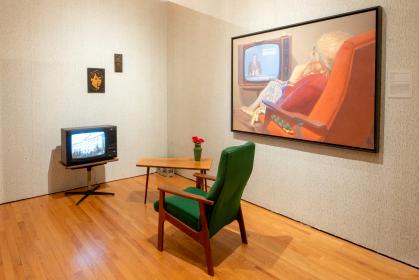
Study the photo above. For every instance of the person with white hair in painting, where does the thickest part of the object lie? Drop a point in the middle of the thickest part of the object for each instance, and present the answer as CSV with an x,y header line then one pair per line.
x,y
316,70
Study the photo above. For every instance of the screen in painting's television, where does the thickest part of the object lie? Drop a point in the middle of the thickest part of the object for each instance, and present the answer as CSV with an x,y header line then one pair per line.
x,y
261,63
87,145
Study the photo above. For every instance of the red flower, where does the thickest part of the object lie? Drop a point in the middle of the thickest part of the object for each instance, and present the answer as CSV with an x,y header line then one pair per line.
x,y
197,140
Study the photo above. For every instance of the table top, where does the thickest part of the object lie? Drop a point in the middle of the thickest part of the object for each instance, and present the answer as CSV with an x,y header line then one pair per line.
x,y
178,162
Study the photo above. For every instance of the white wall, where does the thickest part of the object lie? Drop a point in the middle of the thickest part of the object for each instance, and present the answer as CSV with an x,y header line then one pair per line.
x,y
47,45
46,48
370,199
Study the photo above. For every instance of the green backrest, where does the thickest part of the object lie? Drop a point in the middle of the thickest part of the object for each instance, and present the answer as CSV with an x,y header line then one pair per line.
x,y
234,169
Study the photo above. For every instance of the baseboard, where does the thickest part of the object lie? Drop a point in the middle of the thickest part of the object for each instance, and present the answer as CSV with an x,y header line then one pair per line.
x,y
338,237
72,189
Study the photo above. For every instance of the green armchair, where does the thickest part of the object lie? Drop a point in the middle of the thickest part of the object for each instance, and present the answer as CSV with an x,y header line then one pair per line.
x,y
200,214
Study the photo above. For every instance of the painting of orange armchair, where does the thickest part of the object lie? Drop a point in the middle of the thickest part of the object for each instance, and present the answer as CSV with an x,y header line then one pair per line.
x,y
343,113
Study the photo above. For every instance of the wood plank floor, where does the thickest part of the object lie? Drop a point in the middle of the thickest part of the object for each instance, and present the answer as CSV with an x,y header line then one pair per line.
x,y
49,237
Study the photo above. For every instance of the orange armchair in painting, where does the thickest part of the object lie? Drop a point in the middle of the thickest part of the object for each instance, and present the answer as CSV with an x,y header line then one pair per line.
x,y
344,112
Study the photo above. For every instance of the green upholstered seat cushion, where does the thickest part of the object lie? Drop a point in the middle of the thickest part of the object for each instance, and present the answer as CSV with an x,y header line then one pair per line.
x,y
184,209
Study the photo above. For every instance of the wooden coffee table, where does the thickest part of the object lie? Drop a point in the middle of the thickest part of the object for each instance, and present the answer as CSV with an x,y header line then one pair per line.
x,y
178,163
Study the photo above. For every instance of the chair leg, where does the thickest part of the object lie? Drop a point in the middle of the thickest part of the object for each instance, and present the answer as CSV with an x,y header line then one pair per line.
x,y
241,225
204,239
160,235
207,247
161,222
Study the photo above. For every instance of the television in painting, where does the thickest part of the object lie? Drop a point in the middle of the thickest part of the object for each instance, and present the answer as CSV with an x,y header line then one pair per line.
x,y
260,62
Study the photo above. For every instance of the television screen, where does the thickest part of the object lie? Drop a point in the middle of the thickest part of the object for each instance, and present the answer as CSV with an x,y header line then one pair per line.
x,y
262,63
87,145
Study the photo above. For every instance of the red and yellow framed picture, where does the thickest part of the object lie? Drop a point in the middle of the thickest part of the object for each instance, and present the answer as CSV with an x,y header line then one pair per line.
x,y
95,80
316,81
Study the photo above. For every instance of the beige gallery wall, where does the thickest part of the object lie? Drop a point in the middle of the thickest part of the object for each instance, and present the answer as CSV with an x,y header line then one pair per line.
x,y
370,199
46,48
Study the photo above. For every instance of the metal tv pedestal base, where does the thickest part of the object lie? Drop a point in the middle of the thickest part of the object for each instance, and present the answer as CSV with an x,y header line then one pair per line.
x,y
91,190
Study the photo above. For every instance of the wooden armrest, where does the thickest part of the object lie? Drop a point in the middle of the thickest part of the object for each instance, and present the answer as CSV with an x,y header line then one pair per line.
x,y
297,119
204,176
176,191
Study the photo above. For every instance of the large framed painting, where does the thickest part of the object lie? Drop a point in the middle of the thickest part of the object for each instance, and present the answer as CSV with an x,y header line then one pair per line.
x,y
316,81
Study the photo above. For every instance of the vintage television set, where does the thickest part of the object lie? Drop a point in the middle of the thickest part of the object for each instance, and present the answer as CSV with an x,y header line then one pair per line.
x,y
263,61
80,145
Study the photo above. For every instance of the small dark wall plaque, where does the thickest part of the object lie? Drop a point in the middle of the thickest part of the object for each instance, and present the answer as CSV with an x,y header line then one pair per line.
x,y
118,62
95,80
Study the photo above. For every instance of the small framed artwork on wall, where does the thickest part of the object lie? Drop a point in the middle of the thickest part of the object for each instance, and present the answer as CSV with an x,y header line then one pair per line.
x,y
118,62
95,80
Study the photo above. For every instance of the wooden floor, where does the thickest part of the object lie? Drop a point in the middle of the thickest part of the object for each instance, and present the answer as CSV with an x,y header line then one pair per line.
x,y
49,237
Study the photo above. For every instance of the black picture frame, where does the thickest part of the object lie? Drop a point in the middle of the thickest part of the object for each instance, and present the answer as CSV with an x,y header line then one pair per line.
x,y
118,63
95,80
283,117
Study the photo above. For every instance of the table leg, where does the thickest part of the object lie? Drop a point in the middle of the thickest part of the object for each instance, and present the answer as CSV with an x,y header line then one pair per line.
x,y
203,183
146,185
198,182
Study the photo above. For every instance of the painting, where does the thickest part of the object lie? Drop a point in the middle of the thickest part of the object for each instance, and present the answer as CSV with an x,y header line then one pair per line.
x,y
316,81
95,80
118,62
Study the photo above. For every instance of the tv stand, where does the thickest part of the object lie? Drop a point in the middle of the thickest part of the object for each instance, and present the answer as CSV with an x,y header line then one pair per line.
x,y
91,190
